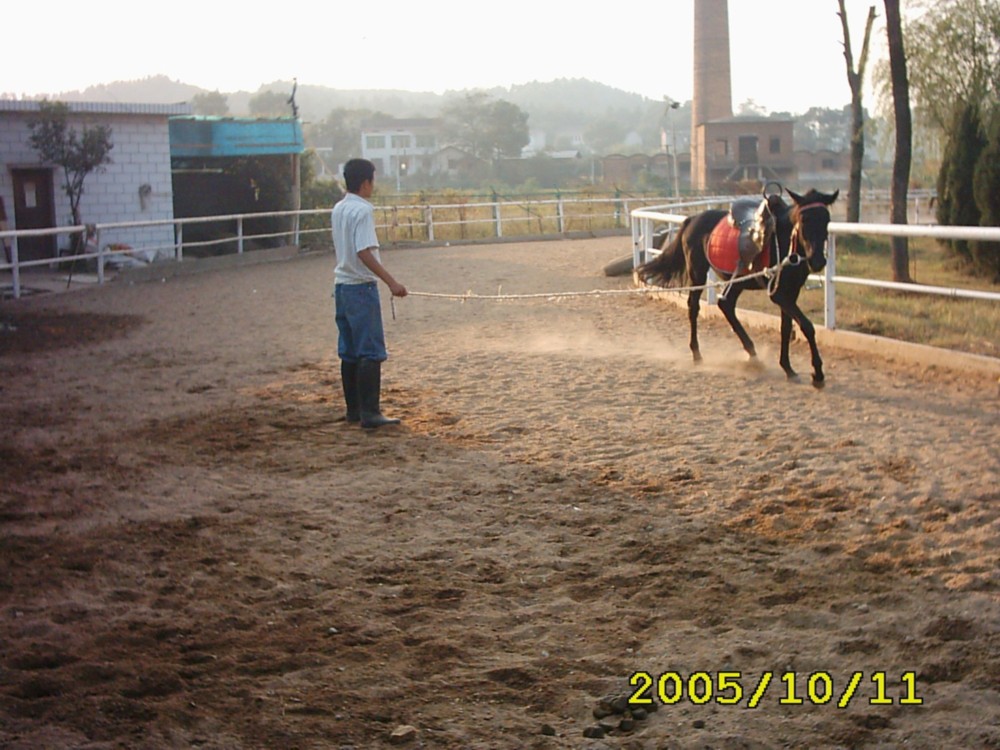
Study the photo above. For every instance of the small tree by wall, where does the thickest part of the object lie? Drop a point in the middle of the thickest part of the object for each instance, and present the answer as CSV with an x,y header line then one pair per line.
x,y
78,154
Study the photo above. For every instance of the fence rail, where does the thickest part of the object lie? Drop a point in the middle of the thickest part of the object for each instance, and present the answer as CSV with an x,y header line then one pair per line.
x,y
395,223
644,220
507,217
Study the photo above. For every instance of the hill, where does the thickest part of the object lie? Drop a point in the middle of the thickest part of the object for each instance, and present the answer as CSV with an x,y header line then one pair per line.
x,y
577,99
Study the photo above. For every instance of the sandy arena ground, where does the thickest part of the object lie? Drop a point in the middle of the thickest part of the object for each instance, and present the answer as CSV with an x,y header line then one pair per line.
x,y
195,551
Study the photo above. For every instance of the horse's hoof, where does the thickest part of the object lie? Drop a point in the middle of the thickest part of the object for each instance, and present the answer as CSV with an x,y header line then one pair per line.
x,y
697,357
793,376
818,382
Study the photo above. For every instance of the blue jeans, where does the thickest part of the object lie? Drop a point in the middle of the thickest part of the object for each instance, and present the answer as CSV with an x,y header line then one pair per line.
x,y
359,321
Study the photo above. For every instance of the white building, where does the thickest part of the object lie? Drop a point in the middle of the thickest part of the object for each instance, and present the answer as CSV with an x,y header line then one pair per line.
x,y
136,186
401,147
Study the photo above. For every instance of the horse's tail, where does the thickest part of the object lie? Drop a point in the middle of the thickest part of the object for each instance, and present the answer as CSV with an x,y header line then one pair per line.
x,y
669,264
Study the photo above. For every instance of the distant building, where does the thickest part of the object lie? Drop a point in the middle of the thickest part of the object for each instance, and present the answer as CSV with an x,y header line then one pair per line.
x,y
399,147
454,163
727,149
621,170
824,169
235,165
737,149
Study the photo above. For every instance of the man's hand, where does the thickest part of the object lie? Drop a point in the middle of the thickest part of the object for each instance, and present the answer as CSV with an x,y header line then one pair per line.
x,y
368,258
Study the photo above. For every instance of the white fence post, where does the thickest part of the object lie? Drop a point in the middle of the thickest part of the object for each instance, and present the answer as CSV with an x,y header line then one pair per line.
x,y
639,240
239,235
829,295
179,247
562,216
100,256
16,270
496,216
429,221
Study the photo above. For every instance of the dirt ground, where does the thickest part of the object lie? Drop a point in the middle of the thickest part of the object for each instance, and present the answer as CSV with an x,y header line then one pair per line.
x,y
196,551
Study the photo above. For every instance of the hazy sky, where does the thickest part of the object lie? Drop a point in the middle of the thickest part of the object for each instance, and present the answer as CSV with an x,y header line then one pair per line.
x,y
639,46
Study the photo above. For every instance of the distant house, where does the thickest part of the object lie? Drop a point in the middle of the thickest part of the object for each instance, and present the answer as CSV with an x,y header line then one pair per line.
x,y
621,169
736,149
824,169
399,147
135,187
453,162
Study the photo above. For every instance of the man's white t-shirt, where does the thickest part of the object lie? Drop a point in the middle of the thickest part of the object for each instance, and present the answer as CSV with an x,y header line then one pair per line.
x,y
353,223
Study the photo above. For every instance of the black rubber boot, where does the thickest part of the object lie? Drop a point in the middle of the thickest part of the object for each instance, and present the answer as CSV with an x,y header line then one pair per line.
x,y
352,397
370,388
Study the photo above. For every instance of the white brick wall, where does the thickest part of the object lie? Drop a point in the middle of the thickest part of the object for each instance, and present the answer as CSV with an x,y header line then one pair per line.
x,y
141,156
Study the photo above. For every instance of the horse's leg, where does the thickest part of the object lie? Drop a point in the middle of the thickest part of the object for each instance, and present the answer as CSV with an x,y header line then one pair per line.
x,y
694,305
791,310
728,307
786,336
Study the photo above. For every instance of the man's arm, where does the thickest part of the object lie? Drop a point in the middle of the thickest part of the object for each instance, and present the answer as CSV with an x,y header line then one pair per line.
x,y
368,258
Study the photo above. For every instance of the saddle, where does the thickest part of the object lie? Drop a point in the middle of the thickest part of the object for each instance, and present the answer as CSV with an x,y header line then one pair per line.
x,y
741,241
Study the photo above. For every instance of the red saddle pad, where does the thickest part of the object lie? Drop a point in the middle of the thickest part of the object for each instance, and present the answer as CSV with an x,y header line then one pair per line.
x,y
724,248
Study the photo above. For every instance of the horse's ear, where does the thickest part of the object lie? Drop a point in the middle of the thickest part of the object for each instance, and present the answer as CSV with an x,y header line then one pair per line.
x,y
795,196
833,197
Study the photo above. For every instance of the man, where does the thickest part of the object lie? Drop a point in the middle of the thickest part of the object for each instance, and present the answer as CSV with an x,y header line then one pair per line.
x,y
361,342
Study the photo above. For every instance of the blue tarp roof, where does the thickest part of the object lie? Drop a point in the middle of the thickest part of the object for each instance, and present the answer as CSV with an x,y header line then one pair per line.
x,y
234,136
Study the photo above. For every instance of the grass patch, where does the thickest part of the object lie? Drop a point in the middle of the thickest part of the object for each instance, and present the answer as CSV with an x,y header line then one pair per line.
x,y
964,325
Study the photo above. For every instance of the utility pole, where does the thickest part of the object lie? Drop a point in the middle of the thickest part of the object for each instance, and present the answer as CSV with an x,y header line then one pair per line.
x,y
671,106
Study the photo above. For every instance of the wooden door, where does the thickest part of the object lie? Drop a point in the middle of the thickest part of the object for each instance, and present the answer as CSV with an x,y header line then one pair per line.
x,y
748,150
34,208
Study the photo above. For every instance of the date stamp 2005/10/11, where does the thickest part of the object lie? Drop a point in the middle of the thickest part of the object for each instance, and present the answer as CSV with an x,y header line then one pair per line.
x,y
733,688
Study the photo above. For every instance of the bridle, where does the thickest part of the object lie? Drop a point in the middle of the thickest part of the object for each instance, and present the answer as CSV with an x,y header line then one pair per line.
x,y
794,257
793,242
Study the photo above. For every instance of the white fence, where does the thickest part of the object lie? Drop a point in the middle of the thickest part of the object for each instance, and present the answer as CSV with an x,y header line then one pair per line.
x,y
645,220
465,221
105,244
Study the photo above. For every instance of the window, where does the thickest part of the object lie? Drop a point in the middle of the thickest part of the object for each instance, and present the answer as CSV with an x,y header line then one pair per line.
x,y
425,141
374,141
828,164
722,147
775,144
401,141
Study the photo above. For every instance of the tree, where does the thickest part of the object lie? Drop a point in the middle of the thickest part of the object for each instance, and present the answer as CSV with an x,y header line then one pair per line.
x,y
986,187
269,104
78,154
855,78
956,201
337,137
953,57
507,129
210,103
904,137
821,128
603,134
486,128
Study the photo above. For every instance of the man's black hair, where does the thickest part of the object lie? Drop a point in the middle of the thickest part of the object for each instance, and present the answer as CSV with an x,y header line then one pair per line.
x,y
356,171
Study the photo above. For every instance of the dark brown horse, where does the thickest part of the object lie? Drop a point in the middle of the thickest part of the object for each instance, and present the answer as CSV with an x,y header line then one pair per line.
x,y
800,236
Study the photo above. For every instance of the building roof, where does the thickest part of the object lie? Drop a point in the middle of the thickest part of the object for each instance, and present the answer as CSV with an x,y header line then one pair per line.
x,y
234,136
387,122
100,108
749,119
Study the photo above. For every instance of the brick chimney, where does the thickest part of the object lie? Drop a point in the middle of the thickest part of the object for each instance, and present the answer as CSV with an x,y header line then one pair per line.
x,y
713,92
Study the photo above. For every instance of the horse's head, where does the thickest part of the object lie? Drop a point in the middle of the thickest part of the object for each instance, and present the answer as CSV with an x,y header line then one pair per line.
x,y
811,219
